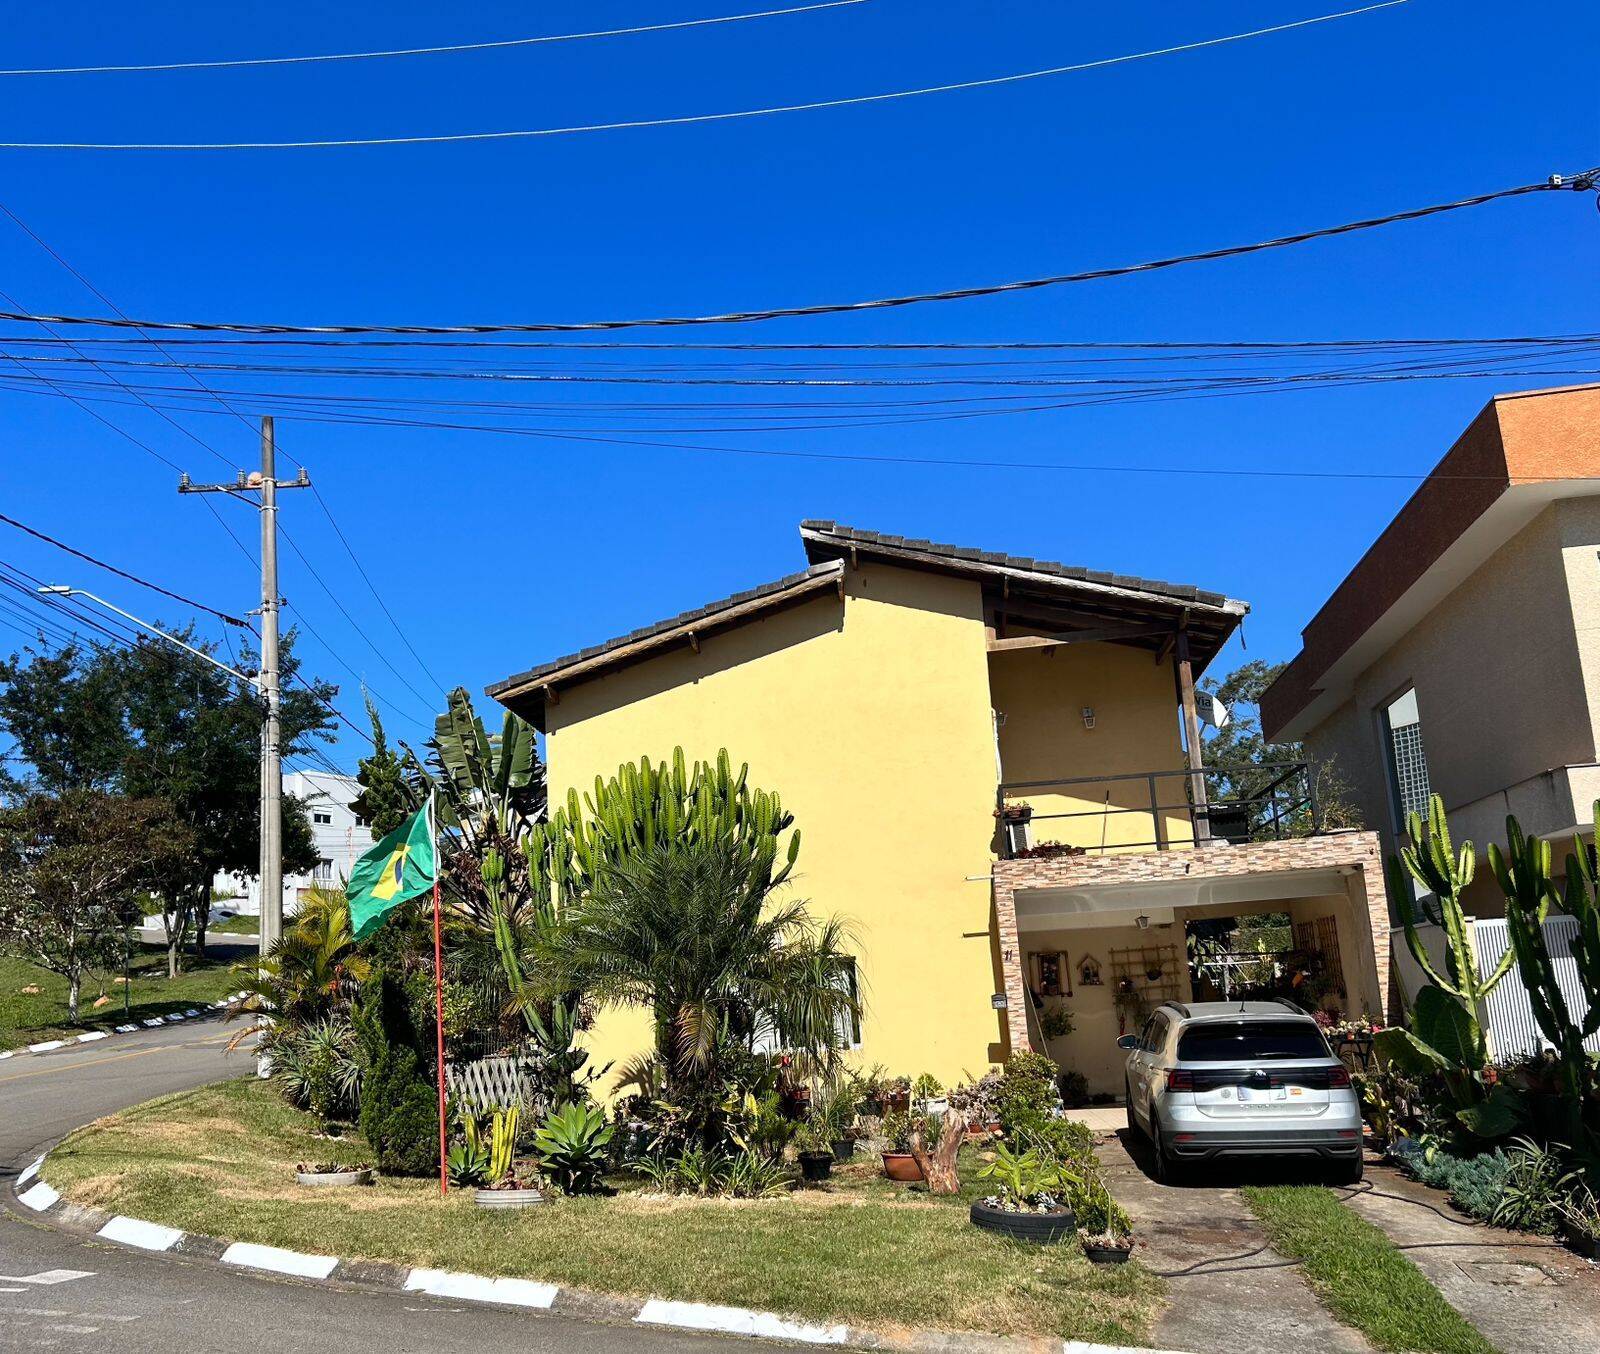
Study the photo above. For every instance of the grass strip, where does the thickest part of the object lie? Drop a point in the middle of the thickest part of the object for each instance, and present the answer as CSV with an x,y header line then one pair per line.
x,y
1359,1274
220,1161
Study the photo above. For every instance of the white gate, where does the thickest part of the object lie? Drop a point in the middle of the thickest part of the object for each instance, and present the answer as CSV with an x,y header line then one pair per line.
x,y
1507,1013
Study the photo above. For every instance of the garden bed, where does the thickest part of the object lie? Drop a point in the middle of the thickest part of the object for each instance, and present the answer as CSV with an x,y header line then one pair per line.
x,y
221,1161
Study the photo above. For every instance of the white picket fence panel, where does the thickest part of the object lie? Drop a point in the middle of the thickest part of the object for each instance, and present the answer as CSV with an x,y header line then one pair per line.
x,y
493,1083
1507,1013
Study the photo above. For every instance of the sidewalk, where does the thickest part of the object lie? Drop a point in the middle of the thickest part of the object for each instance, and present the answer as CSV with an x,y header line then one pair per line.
x,y
1527,1294
1230,1290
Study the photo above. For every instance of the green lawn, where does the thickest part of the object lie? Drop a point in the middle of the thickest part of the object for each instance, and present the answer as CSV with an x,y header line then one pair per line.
x,y
1359,1274
30,1017
219,1161
235,926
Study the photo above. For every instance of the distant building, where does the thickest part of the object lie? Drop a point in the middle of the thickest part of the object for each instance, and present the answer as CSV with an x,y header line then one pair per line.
x,y
341,839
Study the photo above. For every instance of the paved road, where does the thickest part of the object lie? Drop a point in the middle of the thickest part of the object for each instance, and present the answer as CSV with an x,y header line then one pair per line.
x,y
58,1292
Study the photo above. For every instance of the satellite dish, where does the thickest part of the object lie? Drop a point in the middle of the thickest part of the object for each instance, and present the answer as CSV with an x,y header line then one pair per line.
x,y
1211,710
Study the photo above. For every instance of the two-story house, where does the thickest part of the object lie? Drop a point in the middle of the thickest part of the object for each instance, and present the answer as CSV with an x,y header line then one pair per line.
x,y
1461,655
996,766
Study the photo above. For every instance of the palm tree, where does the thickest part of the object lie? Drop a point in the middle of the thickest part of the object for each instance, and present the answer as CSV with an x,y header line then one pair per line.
x,y
689,931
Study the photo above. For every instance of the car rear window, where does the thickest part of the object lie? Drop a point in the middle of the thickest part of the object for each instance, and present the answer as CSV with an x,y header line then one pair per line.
x,y
1247,1040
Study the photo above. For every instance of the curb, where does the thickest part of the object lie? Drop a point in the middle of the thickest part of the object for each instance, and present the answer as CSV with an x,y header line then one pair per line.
x,y
32,1192
97,1033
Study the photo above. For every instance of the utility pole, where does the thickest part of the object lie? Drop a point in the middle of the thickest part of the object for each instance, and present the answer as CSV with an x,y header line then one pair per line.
x,y
264,484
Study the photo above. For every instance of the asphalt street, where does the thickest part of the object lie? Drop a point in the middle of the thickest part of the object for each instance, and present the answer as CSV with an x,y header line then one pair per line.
x,y
61,1292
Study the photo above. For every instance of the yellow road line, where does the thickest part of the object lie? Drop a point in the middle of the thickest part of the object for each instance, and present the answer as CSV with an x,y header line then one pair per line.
x,y
117,1057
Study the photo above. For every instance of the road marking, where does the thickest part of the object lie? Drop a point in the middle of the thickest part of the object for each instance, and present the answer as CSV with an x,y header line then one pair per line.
x,y
737,1321
475,1288
39,1198
70,1064
248,1255
49,1277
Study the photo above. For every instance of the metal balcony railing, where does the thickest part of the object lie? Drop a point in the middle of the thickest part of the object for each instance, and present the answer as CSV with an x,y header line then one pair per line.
x,y
1140,810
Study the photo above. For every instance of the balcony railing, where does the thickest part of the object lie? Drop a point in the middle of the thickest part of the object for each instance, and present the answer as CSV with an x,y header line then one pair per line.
x,y
1156,810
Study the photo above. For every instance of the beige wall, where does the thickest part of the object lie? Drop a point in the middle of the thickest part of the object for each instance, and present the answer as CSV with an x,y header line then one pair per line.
x,y
1042,694
1506,671
870,718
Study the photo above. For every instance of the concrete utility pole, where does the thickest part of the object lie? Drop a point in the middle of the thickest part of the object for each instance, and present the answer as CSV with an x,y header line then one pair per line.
x,y
265,485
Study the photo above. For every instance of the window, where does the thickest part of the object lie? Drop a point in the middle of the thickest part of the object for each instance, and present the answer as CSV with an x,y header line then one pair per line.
x,y
1251,1039
322,872
1408,764
322,818
849,1032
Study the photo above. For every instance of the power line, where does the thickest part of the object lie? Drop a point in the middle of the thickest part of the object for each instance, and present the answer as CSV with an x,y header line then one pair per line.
x,y
448,48
106,300
634,124
122,573
1582,182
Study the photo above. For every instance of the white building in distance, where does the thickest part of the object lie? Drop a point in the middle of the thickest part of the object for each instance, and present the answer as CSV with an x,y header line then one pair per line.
x,y
341,839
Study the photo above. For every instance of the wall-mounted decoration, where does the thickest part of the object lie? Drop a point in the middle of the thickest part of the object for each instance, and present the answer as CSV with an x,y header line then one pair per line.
x,y
1051,977
1089,971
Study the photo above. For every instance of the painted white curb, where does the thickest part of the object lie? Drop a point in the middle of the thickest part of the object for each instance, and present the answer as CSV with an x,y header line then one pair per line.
x,y
29,1171
737,1321
1088,1347
147,1236
127,1029
248,1255
151,1023
39,1198
47,1045
92,1035
441,1283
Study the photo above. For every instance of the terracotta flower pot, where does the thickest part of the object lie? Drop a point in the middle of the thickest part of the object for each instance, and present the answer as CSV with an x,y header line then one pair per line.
x,y
901,1166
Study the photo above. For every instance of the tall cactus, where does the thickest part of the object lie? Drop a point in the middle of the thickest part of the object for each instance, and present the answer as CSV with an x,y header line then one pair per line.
x,y
1523,874
1432,861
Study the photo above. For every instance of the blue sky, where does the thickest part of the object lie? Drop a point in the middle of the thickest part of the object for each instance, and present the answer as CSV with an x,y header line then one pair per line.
x,y
499,552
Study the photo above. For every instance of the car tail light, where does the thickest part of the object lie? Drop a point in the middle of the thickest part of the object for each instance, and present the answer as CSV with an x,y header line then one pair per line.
x,y
1180,1081
1338,1078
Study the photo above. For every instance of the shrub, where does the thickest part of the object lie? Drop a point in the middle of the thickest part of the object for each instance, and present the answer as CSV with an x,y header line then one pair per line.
x,y
897,1131
1477,1184
399,1105
1074,1088
571,1144
1066,1140
1027,1094
1531,1193
1097,1212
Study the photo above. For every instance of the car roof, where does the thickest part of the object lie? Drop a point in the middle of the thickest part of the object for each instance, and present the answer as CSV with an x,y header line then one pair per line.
x,y
1195,1012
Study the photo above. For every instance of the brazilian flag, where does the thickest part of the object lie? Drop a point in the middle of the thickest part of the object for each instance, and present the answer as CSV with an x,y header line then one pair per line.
x,y
399,867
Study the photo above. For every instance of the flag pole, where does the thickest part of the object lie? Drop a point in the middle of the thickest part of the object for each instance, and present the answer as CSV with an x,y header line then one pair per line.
x,y
438,991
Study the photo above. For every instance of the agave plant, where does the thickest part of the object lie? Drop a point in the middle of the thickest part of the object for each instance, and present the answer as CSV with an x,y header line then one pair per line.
x,y
571,1144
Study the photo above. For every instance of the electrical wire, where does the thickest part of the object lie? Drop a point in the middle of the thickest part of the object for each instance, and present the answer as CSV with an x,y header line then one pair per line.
x,y
1582,182
122,573
635,124
448,48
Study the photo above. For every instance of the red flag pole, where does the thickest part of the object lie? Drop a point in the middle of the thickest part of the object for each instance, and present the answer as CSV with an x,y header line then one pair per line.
x,y
438,994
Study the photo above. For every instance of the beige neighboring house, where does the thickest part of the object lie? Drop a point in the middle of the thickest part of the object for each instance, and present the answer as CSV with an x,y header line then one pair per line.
x,y
1461,655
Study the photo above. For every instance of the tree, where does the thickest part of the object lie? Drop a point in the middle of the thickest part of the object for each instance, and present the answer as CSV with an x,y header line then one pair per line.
x,y
685,930
1238,757
71,869
64,712
155,724
386,800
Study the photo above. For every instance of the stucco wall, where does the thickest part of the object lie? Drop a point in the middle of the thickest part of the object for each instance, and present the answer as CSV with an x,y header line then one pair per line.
x,y
1043,695
871,718
1501,669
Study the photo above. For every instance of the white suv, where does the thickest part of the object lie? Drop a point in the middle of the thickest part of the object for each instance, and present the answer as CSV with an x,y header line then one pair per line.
x,y
1228,1078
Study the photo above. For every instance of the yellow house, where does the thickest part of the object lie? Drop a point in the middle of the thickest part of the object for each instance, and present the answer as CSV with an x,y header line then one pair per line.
x,y
987,759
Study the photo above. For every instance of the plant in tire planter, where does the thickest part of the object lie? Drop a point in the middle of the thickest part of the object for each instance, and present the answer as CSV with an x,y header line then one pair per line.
x,y
898,1162
1028,1203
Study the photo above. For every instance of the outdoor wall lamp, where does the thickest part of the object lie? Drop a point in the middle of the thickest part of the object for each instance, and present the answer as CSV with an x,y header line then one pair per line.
x,y
1088,716
1142,922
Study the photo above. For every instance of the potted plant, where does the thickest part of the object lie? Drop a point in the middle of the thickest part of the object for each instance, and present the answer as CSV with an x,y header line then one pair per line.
x,y
976,1102
814,1152
835,1115
896,1095
508,1183
927,1093
325,1175
1104,1228
1029,1199
898,1163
